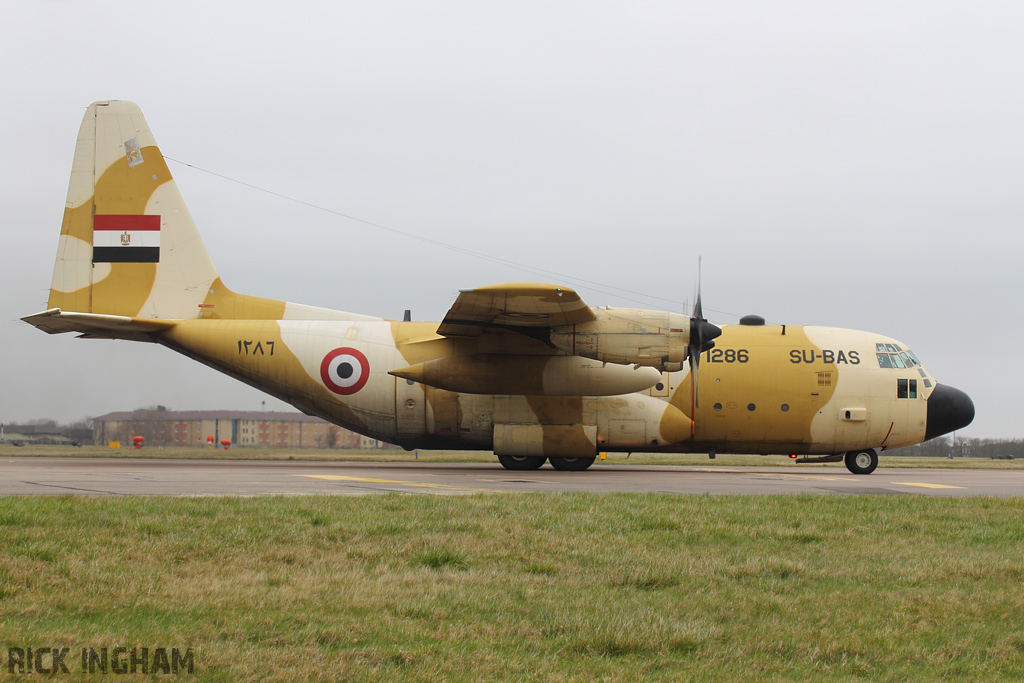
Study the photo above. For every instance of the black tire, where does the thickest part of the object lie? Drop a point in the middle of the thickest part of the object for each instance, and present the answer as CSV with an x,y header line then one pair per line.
x,y
861,462
521,462
571,464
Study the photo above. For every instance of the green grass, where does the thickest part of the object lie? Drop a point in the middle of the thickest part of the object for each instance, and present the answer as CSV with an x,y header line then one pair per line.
x,y
527,587
892,459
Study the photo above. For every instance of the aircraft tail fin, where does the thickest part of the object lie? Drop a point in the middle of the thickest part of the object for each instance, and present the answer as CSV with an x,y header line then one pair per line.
x,y
128,246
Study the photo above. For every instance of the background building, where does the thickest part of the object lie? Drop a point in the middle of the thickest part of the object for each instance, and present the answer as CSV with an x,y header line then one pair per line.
x,y
245,429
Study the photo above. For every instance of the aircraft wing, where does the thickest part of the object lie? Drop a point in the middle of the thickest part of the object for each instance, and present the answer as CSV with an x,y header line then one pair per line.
x,y
521,306
98,326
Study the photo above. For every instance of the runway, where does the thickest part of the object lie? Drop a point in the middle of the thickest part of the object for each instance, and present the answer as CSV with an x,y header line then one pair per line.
x,y
120,477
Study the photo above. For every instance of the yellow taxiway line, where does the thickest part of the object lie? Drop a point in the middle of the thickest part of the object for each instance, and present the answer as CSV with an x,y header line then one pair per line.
x,y
926,486
370,480
825,478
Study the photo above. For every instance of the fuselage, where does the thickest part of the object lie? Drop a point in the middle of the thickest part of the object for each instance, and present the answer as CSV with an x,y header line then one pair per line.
x,y
762,388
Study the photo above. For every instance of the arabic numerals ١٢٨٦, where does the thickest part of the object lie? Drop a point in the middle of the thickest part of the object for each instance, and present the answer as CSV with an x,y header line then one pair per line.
x,y
247,347
728,355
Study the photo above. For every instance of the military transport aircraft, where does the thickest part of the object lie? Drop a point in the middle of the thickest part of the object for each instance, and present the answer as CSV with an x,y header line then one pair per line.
x,y
527,370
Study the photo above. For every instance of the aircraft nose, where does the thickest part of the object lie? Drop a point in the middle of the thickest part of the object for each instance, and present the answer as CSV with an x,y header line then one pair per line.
x,y
948,409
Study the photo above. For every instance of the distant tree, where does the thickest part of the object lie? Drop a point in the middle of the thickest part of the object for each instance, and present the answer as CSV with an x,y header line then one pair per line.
x,y
960,447
80,431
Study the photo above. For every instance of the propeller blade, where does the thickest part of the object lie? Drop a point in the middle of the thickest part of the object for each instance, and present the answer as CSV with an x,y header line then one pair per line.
x,y
702,334
694,370
698,310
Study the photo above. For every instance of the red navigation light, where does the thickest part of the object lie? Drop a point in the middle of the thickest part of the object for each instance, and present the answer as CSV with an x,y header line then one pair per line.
x,y
793,456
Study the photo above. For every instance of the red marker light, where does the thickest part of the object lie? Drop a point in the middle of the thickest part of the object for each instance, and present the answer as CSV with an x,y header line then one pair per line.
x,y
793,456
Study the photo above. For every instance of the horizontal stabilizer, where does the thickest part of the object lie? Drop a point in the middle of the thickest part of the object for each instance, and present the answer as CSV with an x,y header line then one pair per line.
x,y
96,325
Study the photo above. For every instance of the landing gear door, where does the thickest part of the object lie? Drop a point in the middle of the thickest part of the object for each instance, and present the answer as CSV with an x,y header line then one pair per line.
x,y
627,433
410,411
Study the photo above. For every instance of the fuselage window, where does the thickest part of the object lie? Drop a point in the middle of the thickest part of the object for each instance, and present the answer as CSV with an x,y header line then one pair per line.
x,y
891,348
901,388
883,360
927,384
913,388
880,348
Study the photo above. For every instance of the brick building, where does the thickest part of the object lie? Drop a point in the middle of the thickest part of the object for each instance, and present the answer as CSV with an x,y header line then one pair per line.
x,y
245,429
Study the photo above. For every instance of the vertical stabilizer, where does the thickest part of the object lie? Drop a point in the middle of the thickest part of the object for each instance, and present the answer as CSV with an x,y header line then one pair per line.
x,y
128,245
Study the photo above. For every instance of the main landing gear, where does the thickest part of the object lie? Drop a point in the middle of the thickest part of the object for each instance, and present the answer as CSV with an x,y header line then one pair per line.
x,y
571,464
532,462
521,462
861,462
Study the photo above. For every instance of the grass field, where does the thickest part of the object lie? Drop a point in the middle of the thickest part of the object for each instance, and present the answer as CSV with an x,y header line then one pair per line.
x,y
345,455
526,587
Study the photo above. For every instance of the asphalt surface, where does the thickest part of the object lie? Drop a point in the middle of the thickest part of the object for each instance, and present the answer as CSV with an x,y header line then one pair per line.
x,y
117,477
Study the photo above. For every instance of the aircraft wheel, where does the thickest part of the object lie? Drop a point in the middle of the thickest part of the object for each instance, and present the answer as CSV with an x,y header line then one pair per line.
x,y
521,462
861,462
571,464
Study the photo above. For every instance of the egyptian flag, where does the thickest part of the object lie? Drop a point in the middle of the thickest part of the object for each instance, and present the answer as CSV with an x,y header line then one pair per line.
x,y
126,239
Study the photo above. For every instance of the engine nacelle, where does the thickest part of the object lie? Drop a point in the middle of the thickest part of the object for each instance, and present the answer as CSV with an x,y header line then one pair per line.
x,y
628,335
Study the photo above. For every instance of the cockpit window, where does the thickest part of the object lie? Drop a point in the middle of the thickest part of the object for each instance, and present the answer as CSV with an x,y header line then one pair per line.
x,y
892,356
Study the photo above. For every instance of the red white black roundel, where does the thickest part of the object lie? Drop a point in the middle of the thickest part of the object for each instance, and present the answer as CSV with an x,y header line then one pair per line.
x,y
345,370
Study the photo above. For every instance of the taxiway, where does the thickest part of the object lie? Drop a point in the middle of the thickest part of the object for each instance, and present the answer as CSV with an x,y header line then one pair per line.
x,y
120,477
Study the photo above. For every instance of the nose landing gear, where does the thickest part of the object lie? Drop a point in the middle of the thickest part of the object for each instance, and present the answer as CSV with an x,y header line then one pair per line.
x,y
861,462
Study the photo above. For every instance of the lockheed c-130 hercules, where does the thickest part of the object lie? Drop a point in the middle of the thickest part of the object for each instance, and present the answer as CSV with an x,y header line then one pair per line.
x,y
527,370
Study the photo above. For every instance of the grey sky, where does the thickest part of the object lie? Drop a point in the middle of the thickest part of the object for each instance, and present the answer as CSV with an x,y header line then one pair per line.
x,y
854,164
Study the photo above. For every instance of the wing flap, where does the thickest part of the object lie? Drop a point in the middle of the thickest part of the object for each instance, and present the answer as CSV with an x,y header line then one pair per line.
x,y
525,305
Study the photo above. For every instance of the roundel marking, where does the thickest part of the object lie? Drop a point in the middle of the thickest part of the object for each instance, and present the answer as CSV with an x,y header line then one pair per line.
x,y
345,370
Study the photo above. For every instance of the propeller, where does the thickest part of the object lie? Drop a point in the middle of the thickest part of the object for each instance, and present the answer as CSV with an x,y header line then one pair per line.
x,y
702,335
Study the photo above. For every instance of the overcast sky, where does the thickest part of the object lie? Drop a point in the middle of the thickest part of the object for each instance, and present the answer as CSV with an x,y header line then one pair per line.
x,y
852,164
